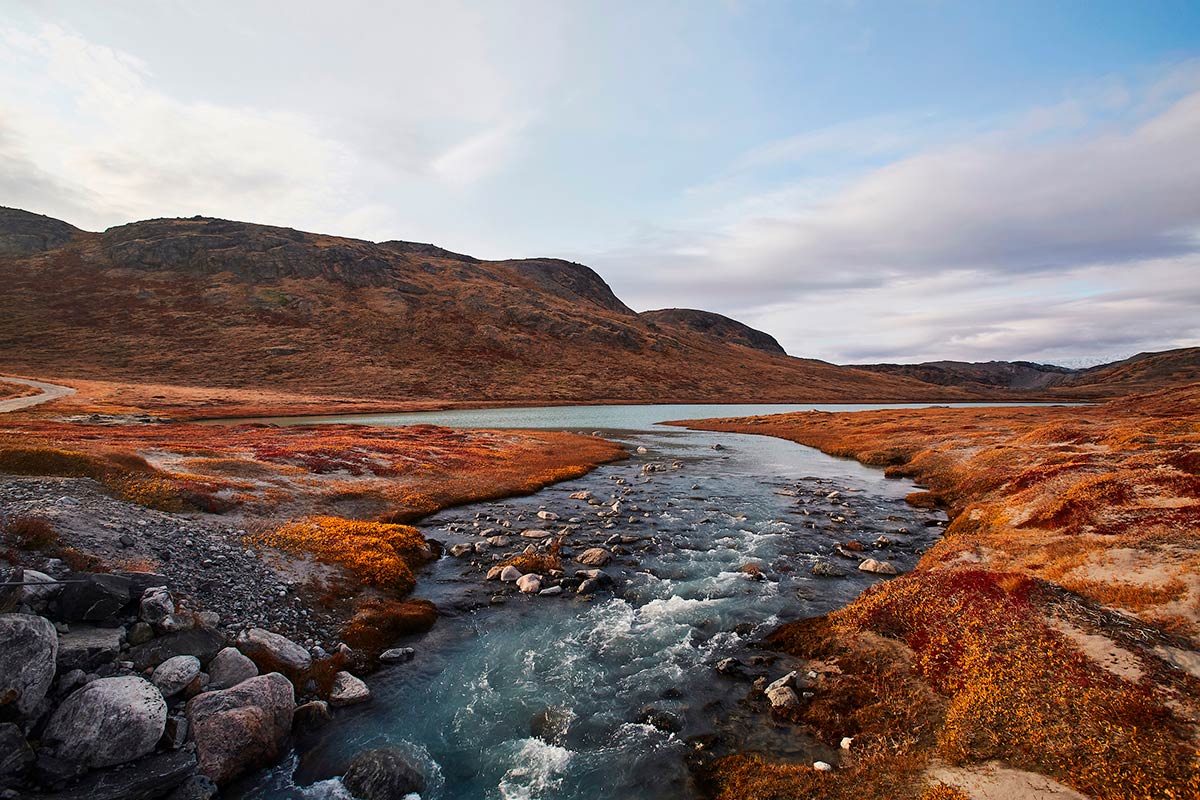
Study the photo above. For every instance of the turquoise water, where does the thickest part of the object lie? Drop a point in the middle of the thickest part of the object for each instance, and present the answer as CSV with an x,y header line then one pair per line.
x,y
465,707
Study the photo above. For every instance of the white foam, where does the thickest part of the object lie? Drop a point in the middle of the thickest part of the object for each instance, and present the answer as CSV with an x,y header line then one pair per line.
x,y
539,774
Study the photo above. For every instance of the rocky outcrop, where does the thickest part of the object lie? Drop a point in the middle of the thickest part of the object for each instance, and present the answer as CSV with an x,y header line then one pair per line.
x,y
242,728
28,654
23,233
86,648
109,721
201,642
714,326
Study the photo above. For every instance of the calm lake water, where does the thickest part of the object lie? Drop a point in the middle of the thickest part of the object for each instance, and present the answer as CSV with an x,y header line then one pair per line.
x,y
466,708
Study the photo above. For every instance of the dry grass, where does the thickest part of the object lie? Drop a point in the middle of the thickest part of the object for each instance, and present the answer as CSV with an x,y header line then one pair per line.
x,y
30,533
378,554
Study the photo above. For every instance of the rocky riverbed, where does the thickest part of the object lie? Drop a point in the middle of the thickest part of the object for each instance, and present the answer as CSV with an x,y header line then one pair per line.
x,y
623,604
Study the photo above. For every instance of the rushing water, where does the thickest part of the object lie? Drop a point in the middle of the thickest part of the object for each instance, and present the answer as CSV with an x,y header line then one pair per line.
x,y
466,707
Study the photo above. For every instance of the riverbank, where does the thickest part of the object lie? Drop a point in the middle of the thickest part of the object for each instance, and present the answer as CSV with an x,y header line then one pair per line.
x,y
289,545
1053,630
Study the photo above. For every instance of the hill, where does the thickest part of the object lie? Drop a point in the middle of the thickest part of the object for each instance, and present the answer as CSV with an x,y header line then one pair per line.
x,y
1144,372
209,302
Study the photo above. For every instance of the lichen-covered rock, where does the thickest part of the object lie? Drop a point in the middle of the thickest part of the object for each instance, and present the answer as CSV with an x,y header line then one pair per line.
x,y
270,651
229,668
174,674
109,721
28,653
384,773
243,727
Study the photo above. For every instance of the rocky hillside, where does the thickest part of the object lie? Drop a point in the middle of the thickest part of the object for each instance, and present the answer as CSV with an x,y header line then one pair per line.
x,y
714,326
211,302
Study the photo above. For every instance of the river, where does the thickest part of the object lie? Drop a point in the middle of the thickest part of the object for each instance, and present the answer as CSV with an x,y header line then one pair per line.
x,y
489,676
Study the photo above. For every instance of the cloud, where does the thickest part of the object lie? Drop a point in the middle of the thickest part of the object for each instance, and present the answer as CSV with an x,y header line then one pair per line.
x,y
974,224
480,155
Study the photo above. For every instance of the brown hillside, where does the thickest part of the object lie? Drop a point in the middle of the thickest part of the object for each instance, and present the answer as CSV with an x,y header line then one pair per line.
x,y
226,304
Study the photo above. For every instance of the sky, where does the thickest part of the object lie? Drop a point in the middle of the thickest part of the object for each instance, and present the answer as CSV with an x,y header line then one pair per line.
x,y
867,181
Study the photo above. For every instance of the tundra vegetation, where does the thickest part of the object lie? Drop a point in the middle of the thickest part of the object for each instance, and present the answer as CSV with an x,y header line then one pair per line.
x,y
1052,629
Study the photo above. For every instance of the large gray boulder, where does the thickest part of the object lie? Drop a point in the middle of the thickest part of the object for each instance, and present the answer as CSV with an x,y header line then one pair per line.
x,y
28,653
40,588
86,648
348,690
594,557
272,652
242,728
384,773
109,721
15,753
229,668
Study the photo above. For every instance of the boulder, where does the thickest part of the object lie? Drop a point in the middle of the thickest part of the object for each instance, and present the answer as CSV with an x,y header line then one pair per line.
x,y
550,591
229,668
786,680
109,721
530,584
348,690
92,597
510,574
203,643
16,756
311,716
549,516
397,655
243,727
40,588
86,648
665,721
880,567
782,697
156,606
174,674
28,655
594,557
460,550
824,569
384,773
139,633
272,652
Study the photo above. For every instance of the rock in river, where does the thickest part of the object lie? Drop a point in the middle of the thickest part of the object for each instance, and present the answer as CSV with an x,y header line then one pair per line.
x,y
880,567
530,584
594,557
242,728
27,659
348,690
384,773
109,721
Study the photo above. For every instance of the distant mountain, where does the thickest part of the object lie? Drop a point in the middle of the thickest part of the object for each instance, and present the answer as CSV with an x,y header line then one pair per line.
x,y
211,302
1144,372
983,375
714,326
